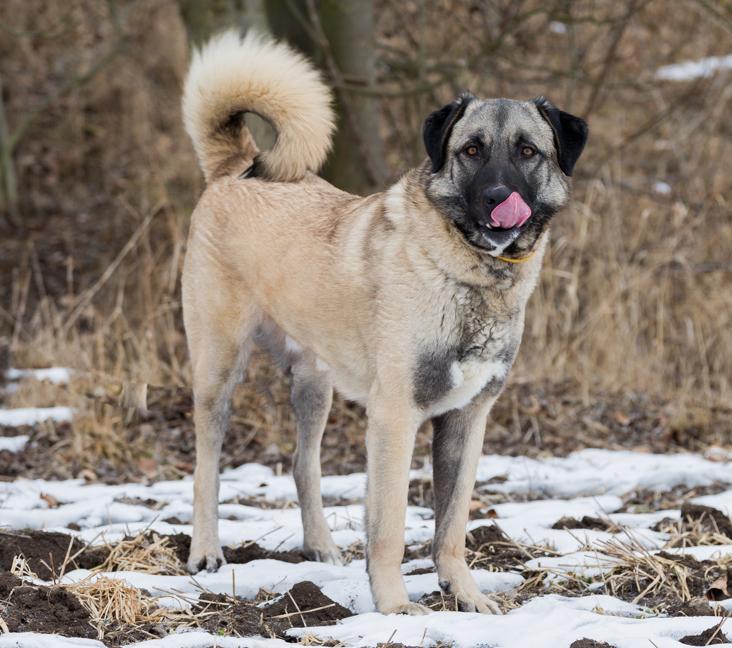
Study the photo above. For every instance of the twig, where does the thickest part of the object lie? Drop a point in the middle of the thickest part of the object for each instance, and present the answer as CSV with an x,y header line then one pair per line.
x,y
110,270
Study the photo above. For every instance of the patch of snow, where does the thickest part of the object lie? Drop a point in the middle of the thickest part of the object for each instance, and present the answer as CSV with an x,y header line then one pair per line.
x,y
585,483
721,501
36,640
34,415
600,472
662,187
690,70
205,640
56,375
544,622
14,443
558,27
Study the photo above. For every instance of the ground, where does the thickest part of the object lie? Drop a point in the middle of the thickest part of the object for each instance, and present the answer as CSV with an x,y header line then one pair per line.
x,y
598,547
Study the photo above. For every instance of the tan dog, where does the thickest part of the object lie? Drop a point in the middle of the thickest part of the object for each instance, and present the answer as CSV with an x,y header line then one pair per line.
x,y
410,301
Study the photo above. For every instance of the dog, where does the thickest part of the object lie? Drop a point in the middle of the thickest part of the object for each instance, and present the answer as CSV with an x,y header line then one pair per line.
x,y
410,301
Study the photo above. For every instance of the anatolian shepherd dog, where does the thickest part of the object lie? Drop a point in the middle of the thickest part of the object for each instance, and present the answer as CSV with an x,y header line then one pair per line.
x,y
410,301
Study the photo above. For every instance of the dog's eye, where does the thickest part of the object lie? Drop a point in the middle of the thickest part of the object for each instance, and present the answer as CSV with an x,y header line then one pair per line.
x,y
471,150
528,151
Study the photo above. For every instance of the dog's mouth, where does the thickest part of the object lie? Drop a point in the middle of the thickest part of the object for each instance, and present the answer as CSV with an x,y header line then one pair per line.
x,y
503,226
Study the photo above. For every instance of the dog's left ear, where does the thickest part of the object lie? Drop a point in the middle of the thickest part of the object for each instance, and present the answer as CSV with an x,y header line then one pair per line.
x,y
570,133
438,126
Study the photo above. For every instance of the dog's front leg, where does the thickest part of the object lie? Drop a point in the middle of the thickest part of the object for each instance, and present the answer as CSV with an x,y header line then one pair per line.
x,y
456,448
389,443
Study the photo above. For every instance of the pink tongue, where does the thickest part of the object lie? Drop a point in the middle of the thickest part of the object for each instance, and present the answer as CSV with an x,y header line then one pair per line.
x,y
512,212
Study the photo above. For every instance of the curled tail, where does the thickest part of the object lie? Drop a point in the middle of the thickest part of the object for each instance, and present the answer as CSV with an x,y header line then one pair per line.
x,y
232,75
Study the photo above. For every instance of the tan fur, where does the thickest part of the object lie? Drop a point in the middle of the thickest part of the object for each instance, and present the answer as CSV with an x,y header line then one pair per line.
x,y
233,75
348,291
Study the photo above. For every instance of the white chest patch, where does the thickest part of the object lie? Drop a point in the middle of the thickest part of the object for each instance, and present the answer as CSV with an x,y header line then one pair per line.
x,y
468,380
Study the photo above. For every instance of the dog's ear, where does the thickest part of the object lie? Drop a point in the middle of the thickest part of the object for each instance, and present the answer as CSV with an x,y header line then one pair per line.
x,y
438,126
570,133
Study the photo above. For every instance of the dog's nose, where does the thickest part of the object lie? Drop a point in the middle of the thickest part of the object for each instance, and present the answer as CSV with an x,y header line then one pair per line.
x,y
494,196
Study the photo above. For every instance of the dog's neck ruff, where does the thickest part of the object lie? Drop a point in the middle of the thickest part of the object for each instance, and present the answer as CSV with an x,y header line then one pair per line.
x,y
522,259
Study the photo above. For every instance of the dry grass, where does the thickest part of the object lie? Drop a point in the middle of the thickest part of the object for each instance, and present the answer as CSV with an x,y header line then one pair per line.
x,y
634,293
146,552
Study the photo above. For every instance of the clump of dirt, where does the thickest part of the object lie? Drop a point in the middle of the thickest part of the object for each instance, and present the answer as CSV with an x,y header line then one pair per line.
x,y
697,525
710,637
589,643
35,608
225,615
695,607
303,605
47,551
440,602
252,551
488,546
586,522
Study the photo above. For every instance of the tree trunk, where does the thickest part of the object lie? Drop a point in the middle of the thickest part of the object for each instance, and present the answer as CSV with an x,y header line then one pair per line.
x,y
356,163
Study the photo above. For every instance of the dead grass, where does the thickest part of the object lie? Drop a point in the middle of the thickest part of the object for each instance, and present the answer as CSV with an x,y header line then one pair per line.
x,y
146,552
634,293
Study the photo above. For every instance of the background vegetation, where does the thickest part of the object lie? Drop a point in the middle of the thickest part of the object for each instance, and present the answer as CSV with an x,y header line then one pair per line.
x,y
629,336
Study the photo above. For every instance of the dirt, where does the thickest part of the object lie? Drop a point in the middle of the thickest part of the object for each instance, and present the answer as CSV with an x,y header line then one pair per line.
x,y
490,548
710,637
589,643
181,544
251,551
46,552
160,444
50,610
303,605
711,519
586,522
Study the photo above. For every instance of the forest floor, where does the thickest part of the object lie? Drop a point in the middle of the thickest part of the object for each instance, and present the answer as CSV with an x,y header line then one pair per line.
x,y
619,546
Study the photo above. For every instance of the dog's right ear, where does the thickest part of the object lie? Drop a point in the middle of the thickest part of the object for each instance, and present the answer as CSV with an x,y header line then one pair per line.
x,y
438,126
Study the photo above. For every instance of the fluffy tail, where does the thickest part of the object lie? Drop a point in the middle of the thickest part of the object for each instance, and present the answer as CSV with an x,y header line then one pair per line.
x,y
231,76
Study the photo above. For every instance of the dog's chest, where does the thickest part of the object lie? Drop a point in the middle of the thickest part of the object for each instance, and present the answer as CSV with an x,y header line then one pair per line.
x,y
471,361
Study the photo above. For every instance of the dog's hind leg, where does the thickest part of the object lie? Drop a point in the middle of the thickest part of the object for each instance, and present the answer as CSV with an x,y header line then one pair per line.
x,y
456,448
312,395
218,332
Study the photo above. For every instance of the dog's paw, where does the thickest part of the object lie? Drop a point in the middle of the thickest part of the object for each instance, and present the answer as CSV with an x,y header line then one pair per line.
x,y
412,609
330,555
210,561
470,598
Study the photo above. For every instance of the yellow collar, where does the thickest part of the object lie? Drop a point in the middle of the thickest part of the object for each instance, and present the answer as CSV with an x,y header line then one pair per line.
x,y
522,259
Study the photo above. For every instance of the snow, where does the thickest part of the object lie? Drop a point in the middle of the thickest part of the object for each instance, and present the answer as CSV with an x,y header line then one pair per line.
x,y
539,493
34,415
13,443
662,187
690,70
56,375
543,622
595,471
558,27
34,640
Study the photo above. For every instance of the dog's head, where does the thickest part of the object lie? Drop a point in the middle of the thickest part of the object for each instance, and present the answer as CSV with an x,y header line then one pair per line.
x,y
498,168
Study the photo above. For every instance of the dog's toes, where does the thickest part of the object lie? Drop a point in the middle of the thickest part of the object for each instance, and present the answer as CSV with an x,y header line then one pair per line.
x,y
210,562
487,606
470,599
412,609
328,555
